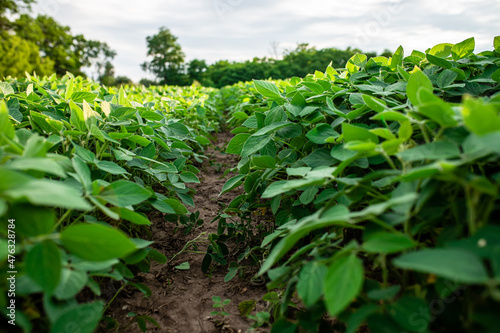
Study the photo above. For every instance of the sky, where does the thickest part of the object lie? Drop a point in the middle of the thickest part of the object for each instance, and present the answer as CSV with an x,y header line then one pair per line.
x,y
239,30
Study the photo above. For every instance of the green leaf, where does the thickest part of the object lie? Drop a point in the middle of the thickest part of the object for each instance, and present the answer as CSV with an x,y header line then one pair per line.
x,y
42,164
495,262
83,318
44,192
189,177
43,264
453,264
83,172
340,153
439,61
383,294
308,195
418,80
387,243
272,128
397,58
320,133
496,76
6,127
202,140
298,171
359,316
183,267
72,282
131,216
177,206
32,220
77,118
240,115
442,50
463,49
123,193
357,133
355,63
140,140
231,273
246,307
446,78
111,167
436,109
267,89
376,104
236,144
85,154
310,285
343,283
283,186
232,183
96,242
80,96
404,310
254,144
496,43
390,116
479,117
264,162
151,115
6,89
431,151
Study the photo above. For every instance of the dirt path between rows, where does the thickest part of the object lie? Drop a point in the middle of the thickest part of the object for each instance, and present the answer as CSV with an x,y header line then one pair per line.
x,y
181,301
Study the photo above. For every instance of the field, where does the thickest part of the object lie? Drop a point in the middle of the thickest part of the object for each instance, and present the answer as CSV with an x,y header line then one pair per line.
x,y
356,199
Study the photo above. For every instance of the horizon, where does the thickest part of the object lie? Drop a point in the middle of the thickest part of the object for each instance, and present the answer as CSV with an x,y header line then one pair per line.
x,y
271,28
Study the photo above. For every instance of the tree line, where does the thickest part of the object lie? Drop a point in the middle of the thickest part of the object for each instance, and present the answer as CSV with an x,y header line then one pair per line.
x,y
42,45
167,64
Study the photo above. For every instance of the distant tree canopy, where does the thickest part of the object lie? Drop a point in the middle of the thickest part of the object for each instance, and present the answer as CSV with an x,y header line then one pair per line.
x,y
167,64
166,58
44,46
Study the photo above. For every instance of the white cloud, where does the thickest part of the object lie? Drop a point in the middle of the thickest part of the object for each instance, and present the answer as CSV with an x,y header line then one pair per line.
x,y
243,29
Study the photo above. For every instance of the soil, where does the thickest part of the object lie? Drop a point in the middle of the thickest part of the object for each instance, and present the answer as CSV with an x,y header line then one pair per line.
x,y
181,301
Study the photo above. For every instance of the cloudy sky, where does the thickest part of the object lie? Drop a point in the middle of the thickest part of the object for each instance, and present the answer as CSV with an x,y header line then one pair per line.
x,y
243,29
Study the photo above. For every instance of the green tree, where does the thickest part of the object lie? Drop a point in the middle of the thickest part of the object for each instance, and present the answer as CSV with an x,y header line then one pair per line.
x,y
18,56
69,53
195,69
10,7
166,58
107,78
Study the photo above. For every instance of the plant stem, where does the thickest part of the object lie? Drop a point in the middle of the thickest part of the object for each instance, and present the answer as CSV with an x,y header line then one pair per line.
x,y
116,294
62,219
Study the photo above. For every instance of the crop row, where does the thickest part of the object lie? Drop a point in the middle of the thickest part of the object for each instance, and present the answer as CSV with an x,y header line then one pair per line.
x,y
379,185
80,167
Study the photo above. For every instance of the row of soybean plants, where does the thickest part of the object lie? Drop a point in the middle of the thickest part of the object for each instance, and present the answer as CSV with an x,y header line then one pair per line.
x,y
81,165
377,191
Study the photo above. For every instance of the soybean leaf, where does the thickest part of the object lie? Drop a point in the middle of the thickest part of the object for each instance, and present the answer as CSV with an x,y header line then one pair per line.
x,y
43,264
232,183
267,89
454,264
123,193
320,133
418,80
343,283
72,282
83,317
96,242
463,49
236,144
310,285
386,242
